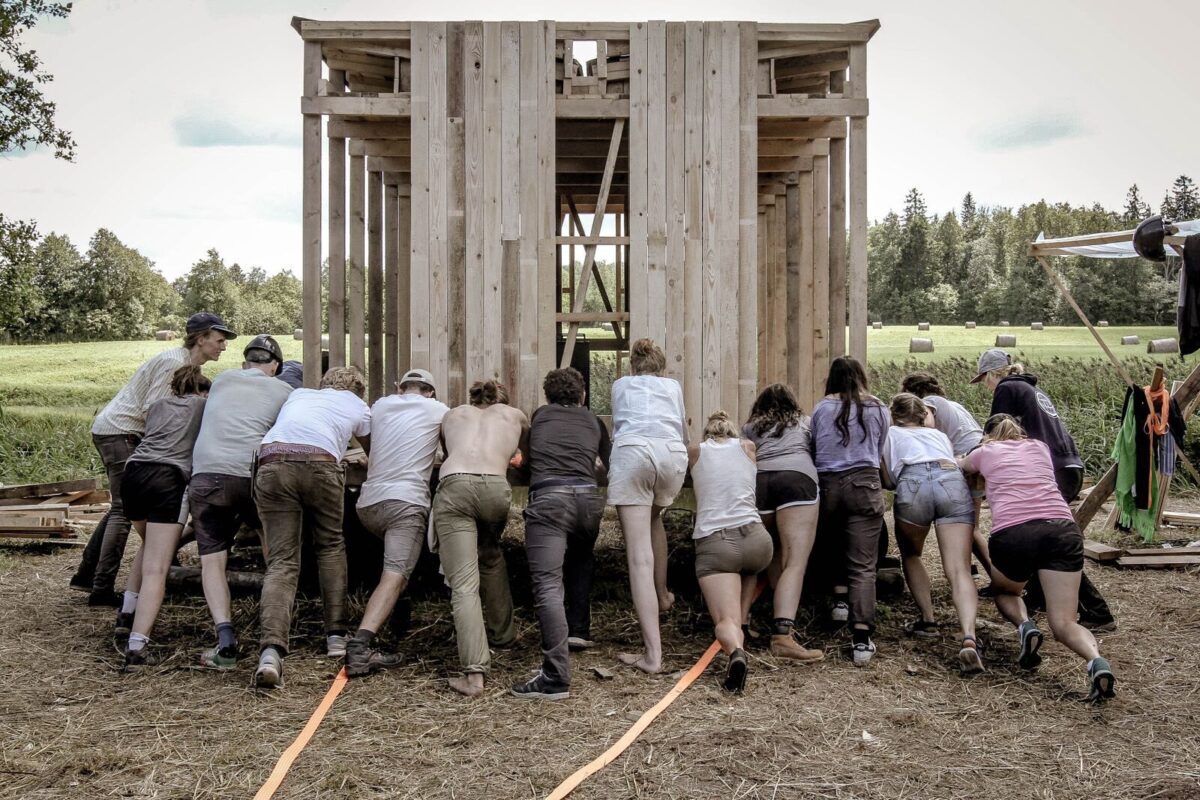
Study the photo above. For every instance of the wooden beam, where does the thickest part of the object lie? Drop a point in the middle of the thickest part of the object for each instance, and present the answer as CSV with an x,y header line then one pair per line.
x,y
593,316
358,129
388,148
791,129
857,267
817,32
798,105
312,30
591,108
357,106
311,222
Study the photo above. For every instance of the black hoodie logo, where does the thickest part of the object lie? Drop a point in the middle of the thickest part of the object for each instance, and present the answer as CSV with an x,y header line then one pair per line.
x,y
1046,406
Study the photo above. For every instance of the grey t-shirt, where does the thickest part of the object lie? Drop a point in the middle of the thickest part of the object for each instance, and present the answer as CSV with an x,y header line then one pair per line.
x,y
171,427
242,407
790,451
956,422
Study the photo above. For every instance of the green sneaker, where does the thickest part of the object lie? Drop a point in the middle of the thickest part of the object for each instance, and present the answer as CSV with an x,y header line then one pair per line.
x,y
218,658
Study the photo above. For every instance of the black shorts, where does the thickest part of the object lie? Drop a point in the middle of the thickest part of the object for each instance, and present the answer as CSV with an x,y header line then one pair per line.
x,y
153,493
1019,551
221,504
783,488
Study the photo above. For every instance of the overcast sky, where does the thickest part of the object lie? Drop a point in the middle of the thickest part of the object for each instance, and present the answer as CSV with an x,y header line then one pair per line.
x,y
187,116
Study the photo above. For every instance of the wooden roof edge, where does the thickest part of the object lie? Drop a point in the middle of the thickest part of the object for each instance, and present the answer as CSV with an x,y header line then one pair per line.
x,y
297,22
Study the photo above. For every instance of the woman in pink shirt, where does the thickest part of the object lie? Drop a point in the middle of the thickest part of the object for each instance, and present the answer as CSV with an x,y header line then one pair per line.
x,y
1033,532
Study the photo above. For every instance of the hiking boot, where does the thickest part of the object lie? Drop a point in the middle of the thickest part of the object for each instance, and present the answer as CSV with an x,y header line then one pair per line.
x,y
540,688
269,674
840,612
577,643
1101,679
220,658
140,659
361,660
99,598
863,653
1031,640
123,625
785,645
335,645
735,673
81,582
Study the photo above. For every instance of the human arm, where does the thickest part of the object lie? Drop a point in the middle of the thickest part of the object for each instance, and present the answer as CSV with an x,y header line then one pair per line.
x,y
750,450
603,450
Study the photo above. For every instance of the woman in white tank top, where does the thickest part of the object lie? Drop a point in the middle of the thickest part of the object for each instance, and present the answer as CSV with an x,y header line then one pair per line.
x,y
732,546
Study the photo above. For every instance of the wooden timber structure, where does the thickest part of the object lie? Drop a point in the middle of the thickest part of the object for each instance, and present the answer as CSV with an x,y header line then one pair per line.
x,y
475,168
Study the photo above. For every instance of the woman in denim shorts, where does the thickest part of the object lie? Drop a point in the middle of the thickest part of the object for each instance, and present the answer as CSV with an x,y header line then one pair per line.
x,y
931,490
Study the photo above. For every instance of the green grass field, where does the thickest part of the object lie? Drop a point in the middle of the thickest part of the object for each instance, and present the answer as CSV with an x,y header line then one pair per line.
x,y
891,343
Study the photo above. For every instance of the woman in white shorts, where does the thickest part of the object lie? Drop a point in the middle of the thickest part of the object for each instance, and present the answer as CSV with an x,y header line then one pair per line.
x,y
918,462
649,459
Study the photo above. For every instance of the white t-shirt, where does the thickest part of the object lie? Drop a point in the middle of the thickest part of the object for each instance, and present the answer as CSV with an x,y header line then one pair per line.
x,y
324,418
906,445
405,429
648,405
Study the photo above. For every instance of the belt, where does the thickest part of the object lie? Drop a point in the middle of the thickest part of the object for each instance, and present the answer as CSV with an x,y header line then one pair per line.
x,y
579,488
271,458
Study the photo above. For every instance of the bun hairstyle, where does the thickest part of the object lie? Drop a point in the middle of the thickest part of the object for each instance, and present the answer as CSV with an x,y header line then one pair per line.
x,y
488,393
908,409
189,380
719,426
647,358
1004,372
345,378
922,384
1002,428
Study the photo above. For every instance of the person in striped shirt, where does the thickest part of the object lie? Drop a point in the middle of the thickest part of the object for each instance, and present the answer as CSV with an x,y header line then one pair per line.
x,y
118,429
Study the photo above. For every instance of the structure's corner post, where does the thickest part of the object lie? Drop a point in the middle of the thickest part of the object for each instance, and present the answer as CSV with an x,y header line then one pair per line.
x,y
857,88
337,237
748,218
311,223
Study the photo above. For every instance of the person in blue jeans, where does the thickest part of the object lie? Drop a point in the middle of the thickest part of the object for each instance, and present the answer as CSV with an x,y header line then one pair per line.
x,y
919,464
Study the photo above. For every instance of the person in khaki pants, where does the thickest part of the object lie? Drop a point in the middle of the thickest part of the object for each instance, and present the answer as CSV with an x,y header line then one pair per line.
x,y
470,511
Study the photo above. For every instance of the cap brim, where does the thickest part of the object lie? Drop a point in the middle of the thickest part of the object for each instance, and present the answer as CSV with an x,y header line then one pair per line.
x,y
228,333
978,377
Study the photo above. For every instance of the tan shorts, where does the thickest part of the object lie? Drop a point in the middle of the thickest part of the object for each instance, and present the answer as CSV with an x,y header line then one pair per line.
x,y
402,526
644,471
745,550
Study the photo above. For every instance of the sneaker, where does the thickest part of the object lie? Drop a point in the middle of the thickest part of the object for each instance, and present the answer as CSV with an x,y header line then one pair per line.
x,y
863,653
785,645
123,625
361,660
269,674
969,661
1101,679
920,629
80,582
577,643
1031,640
140,659
219,658
540,688
840,611
335,646
99,598
735,673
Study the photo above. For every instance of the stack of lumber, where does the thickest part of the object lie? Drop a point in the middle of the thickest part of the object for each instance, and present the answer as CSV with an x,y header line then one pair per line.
x,y
51,511
1142,557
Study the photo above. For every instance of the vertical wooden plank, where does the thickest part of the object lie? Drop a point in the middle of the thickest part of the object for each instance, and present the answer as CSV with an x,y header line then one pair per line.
x,y
546,216
439,184
531,314
356,300
636,201
503,51
655,143
837,234
403,285
693,246
857,267
375,294
456,234
764,307
311,223
676,208
476,276
712,375
820,276
337,237
785,345
421,219
747,217
728,219
807,310
384,383
794,293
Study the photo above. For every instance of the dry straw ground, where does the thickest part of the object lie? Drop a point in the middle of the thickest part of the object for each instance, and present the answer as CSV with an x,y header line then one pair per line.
x,y
71,725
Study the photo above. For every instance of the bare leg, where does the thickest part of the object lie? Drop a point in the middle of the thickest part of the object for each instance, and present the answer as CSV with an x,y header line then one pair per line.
x,y
639,551
158,548
797,532
722,594
1062,603
1008,598
216,586
658,538
954,542
911,539
133,583
383,600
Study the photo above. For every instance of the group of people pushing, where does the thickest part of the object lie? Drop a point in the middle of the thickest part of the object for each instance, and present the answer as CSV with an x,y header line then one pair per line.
x,y
247,449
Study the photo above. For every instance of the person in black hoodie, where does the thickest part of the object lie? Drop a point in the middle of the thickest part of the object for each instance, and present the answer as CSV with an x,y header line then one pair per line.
x,y
1017,394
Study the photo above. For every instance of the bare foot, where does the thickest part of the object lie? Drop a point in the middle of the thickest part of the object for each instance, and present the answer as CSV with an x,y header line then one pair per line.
x,y
665,601
469,685
640,661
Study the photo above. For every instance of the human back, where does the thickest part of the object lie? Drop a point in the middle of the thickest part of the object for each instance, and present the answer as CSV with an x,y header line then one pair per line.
x,y
481,438
242,406
404,439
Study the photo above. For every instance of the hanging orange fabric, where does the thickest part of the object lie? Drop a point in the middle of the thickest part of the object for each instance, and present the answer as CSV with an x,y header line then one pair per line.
x,y
1158,422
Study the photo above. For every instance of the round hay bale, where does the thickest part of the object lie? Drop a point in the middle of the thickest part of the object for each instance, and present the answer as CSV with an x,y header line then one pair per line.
x,y
165,336
970,326
1162,346
922,326
1130,340
1036,326
916,345
1102,323
298,334
877,325
1003,323
1006,340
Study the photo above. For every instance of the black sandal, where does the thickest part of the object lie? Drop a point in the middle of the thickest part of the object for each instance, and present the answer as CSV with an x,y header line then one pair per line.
x,y
920,629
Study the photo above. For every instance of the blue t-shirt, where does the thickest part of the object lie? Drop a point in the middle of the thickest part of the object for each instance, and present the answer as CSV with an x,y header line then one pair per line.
x,y
862,450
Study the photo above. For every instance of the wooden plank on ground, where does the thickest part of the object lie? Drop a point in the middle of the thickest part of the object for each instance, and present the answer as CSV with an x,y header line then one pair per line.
x,y
1161,552
1154,562
47,489
1181,518
1098,551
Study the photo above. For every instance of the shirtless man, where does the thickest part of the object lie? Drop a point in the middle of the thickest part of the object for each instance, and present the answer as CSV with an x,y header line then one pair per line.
x,y
470,511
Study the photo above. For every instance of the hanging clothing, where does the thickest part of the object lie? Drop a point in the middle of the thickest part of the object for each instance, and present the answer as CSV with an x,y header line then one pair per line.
x,y
1136,479
1188,318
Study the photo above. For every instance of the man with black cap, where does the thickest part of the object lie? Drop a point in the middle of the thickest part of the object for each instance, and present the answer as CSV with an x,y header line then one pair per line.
x,y
118,429
394,503
242,406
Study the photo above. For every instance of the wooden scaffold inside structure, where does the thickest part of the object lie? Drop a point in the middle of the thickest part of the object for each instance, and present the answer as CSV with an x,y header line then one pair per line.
x,y
475,169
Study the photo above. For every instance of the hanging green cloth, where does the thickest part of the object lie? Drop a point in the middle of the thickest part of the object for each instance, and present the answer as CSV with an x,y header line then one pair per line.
x,y
1124,452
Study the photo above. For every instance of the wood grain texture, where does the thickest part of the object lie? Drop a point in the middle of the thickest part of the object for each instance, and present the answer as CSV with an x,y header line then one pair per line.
x,y
356,287
375,293
857,201
747,282
336,220
310,201
421,213
639,306
675,169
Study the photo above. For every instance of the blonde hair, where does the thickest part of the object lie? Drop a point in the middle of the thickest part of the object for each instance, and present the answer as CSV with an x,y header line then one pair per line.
x,y
720,426
1002,428
647,358
908,409
345,378
1003,372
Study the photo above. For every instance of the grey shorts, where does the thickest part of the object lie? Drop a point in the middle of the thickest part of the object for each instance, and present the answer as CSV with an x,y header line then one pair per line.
x,y
745,550
933,493
402,527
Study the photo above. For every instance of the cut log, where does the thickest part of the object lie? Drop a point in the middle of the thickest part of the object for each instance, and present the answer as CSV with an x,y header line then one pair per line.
x,y
1155,562
47,489
916,345
1163,346
1130,340
189,578
1098,551
1006,340
1036,326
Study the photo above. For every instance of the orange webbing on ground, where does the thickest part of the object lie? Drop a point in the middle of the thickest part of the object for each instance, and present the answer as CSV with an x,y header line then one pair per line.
x,y
610,755
285,761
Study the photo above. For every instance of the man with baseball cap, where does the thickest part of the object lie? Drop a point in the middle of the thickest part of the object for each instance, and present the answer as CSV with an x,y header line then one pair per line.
x,y
394,504
242,406
118,429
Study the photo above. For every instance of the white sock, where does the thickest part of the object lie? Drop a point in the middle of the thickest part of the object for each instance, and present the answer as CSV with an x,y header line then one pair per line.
x,y
1089,664
138,642
129,604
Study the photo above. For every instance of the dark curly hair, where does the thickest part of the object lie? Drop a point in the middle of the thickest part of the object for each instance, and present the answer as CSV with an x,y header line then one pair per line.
x,y
922,384
564,387
488,393
775,410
